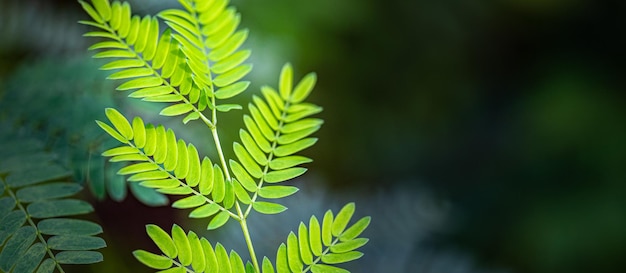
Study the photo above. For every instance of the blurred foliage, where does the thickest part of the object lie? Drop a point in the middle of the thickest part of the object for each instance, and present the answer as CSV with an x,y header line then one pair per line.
x,y
512,110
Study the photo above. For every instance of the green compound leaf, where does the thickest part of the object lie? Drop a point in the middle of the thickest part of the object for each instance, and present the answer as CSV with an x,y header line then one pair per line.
x,y
162,240
268,208
153,260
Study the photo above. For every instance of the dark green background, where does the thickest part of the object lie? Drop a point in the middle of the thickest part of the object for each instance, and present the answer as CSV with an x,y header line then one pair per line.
x,y
508,117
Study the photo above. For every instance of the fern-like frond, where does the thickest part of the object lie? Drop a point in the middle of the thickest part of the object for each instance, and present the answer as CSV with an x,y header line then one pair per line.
x,y
34,205
170,165
154,65
187,253
278,127
207,32
320,247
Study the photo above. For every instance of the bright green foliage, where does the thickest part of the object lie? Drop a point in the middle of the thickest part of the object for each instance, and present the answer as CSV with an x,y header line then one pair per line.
x,y
35,203
182,251
305,251
192,66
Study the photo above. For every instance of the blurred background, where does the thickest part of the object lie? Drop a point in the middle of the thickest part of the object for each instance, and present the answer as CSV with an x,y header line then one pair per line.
x,y
481,136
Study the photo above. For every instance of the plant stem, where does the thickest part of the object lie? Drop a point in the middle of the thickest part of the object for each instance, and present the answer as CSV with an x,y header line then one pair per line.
x,y
242,217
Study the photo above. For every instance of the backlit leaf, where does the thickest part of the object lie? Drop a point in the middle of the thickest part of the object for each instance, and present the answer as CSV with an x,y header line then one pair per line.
x,y
162,240
304,88
182,244
342,218
283,175
275,192
219,220
286,81
153,260
176,109
268,208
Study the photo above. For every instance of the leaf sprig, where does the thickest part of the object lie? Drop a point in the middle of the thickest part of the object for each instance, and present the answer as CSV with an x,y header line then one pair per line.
x,y
37,232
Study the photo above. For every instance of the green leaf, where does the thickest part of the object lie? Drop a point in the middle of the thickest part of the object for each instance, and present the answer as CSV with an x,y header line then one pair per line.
x,y
303,243
182,244
229,46
11,223
322,268
111,131
122,64
15,247
205,211
267,266
268,208
152,260
275,192
47,191
286,81
47,266
219,220
161,183
150,175
120,123
176,109
61,226
356,229
252,148
128,157
78,257
246,160
182,166
139,132
123,150
241,193
315,238
227,107
151,92
284,175
56,208
222,258
176,191
139,83
209,254
138,168
189,202
242,176
301,125
304,88
162,49
327,226
131,73
162,240
147,196
337,258
205,185
191,116
198,263
267,131
103,7
258,137
232,76
282,163
293,253
31,258
75,242
91,11
114,53
265,111
342,219
236,264
219,188
295,147
348,245
232,90
282,266
231,62
298,135
300,111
